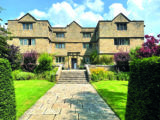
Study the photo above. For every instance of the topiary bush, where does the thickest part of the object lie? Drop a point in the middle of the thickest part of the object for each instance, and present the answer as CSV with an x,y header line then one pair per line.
x,y
123,76
7,93
143,102
122,61
45,63
19,75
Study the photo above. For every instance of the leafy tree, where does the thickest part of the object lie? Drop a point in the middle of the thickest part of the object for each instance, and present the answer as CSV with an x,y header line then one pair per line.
x,y
149,48
14,57
29,61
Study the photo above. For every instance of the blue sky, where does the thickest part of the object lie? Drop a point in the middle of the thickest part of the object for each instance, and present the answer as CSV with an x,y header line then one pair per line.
x,y
85,12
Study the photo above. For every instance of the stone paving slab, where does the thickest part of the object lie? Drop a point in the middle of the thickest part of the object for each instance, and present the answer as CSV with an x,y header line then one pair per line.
x,y
70,102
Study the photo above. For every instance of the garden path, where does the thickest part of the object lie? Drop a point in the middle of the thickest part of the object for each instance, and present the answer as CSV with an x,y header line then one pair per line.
x,y
70,102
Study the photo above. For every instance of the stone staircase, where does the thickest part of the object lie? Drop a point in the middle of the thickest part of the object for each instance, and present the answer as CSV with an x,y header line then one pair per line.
x,y
73,77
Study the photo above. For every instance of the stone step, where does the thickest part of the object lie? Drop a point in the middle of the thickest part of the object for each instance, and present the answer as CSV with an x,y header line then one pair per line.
x,y
80,78
72,83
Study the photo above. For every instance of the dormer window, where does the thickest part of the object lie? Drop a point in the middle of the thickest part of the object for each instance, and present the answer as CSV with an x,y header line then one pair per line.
x,y
60,35
27,26
121,26
86,35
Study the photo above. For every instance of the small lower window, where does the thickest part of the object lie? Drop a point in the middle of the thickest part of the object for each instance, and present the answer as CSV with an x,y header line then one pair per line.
x,y
87,45
86,59
60,59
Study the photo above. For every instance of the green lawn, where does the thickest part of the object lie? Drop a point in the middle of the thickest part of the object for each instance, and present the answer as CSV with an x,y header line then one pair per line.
x,y
28,92
115,94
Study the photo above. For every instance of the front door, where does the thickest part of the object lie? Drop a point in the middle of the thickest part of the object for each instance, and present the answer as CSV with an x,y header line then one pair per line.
x,y
74,63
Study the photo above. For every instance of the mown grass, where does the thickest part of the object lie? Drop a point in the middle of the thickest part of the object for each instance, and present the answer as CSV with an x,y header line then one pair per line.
x,y
28,92
115,94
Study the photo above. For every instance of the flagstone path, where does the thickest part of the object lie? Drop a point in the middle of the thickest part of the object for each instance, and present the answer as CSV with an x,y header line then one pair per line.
x,y
70,102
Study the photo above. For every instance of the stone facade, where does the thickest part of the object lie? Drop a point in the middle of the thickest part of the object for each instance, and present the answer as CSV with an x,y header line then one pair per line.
x,y
79,41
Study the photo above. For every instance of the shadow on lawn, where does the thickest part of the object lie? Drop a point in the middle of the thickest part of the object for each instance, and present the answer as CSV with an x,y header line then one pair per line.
x,y
116,100
90,106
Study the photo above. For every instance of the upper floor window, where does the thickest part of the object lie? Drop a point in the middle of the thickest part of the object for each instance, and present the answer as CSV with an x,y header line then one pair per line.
x,y
87,45
60,59
121,26
60,45
28,41
27,26
60,35
121,41
87,35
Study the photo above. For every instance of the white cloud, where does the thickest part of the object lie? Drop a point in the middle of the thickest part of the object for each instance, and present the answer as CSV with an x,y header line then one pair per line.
x,y
63,13
38,13
147,10
95,5
114,10
21,14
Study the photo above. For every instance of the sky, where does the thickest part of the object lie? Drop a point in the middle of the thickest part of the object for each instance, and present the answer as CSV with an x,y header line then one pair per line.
x,y
86,12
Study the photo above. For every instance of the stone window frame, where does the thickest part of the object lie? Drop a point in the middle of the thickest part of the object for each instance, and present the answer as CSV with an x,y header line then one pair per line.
x,y
27,41
86,34
60,45
121,26
60,59
87,45
27,26
121,41
60,35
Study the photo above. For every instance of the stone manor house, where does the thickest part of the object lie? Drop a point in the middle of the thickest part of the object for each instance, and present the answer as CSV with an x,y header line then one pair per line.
x,y
73,44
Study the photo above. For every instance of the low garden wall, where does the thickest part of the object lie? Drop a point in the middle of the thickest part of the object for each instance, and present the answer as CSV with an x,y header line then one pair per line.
x,y
106,67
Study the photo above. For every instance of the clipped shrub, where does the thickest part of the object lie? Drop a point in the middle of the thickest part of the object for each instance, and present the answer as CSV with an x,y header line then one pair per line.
x,y
97,74
14,57
48,75
122,61
123,76
29,61
110,75
143,102
15,73
7,93
45,63
105,60
23,75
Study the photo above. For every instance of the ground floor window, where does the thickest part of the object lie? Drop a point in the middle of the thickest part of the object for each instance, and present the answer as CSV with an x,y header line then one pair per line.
x,y
60,59
86,59
87,45
121,41
27,41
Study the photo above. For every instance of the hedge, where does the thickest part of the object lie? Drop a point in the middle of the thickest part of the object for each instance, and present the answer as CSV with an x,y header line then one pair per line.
x,y
143,102
7,93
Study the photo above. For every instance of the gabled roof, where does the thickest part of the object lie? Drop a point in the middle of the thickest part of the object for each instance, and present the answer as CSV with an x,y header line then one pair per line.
x,y
121,14
26,15
75,23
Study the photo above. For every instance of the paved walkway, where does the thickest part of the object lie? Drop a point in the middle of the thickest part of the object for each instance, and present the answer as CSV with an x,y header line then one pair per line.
x,y
70,102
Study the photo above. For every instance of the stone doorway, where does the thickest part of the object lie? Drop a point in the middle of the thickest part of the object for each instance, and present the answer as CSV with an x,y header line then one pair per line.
x,y
74,63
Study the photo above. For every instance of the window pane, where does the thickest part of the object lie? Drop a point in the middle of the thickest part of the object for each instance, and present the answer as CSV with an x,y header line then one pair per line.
x,y
87,45
31,27
21,41
25,42
57,46
63,46
90,46
84,45
56,59
33,42
62,59
24,26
